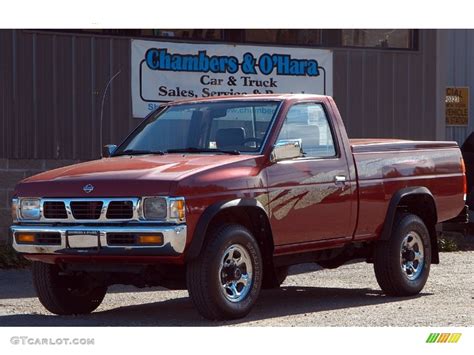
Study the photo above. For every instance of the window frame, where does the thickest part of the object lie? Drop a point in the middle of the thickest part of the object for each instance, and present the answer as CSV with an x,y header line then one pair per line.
x,y
335,137
163,108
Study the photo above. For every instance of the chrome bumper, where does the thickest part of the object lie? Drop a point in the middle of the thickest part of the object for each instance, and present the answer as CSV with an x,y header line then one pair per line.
x,y
174,240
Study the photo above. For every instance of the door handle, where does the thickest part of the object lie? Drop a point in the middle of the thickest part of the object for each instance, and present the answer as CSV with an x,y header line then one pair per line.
x,y
339,179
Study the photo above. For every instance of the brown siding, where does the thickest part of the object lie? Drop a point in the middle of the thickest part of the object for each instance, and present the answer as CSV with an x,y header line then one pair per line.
x,y
51,90
52,85
458,45
385,93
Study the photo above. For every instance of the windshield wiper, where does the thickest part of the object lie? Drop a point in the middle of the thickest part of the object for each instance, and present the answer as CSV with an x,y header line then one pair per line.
x,y
138,152
203,150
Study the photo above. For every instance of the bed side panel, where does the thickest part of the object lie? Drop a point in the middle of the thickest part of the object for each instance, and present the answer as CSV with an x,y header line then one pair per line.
x,y
381,174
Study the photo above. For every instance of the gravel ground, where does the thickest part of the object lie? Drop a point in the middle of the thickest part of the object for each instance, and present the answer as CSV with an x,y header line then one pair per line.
x,y
347,296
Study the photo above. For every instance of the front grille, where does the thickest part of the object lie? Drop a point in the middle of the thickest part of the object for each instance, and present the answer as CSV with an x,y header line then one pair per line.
x,y
93,210
48,238
121,239
86,209
120,210
54,210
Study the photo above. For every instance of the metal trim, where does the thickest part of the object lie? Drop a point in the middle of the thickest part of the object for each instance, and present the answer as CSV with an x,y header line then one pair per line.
x,y
174,238
138,215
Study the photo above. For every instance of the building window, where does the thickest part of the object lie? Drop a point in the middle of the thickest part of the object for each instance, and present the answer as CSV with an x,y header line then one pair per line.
x,y
291,37
199,34
361,38
394,38
184,34
366,38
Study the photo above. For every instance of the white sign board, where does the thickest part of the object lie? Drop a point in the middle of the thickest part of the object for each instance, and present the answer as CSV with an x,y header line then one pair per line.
x,y
167,71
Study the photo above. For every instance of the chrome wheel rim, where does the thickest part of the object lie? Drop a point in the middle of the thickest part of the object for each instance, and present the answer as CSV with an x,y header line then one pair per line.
x,y
412,256
235,273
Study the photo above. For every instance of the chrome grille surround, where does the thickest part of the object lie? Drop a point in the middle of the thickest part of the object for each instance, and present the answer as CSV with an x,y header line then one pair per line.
x,y
137,212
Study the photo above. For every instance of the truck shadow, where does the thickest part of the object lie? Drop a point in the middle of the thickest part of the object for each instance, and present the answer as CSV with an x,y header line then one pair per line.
x,y
285,301
18,283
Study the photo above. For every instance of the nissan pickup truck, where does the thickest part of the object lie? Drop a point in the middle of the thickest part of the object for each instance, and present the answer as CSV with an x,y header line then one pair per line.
x,y
221,195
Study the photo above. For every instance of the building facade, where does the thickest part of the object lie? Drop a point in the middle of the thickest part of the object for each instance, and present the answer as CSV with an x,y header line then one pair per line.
x,y
66,93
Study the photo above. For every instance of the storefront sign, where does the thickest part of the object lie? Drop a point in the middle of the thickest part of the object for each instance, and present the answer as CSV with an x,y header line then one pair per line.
x,y
457,106
166,71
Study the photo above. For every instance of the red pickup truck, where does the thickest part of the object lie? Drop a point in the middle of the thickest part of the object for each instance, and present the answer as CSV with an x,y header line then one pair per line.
x,y
222,195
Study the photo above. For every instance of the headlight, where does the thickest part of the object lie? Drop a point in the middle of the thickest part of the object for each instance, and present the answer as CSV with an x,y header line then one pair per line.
x,y
155,208
170,209
30,208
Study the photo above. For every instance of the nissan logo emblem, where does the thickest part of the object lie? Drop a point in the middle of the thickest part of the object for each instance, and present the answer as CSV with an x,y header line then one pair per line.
x,y
88,188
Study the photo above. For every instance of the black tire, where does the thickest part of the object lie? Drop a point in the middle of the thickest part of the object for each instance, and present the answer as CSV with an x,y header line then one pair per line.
x,y
274,277
203,275
387,260
65,294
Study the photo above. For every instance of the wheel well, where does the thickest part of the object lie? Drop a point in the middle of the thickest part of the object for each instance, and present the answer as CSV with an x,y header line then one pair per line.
x,y
252,218
423,206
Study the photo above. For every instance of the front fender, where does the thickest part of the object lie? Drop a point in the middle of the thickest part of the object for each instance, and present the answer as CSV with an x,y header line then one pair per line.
x,y
201,228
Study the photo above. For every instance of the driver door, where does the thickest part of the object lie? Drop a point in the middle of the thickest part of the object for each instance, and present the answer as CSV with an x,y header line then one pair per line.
x,y
309,200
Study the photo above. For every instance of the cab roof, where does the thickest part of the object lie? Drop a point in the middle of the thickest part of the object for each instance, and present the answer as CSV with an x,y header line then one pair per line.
x,y
270,97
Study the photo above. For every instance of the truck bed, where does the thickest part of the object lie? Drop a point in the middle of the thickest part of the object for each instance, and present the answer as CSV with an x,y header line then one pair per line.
x,y
384,166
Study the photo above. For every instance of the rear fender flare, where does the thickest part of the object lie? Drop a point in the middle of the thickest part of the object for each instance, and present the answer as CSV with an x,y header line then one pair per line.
x,y
394,203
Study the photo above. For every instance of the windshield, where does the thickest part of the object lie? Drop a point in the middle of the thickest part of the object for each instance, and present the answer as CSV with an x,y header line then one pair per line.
x,y
226,127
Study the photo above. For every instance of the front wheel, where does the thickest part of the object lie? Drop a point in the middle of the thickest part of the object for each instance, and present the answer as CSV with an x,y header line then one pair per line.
x,y
65,294
225,280
402,263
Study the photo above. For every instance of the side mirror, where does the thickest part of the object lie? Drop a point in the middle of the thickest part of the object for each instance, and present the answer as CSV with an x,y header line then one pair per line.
x,y
287,149
108,150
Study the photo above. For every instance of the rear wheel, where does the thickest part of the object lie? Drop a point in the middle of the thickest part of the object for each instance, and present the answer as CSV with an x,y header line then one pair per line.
x,y
65,294
225,280
402,263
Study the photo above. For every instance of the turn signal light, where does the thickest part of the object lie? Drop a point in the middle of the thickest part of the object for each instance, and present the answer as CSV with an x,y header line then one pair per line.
x,y
25,238
180,208
150,239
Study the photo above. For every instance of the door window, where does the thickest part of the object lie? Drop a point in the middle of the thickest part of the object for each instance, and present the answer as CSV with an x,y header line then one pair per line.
x,y
308,124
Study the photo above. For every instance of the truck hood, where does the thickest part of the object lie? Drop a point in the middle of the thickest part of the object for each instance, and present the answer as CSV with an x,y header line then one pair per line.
x,y
123,176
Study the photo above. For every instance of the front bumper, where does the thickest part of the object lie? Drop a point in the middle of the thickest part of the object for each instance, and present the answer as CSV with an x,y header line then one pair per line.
x,y
174,240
